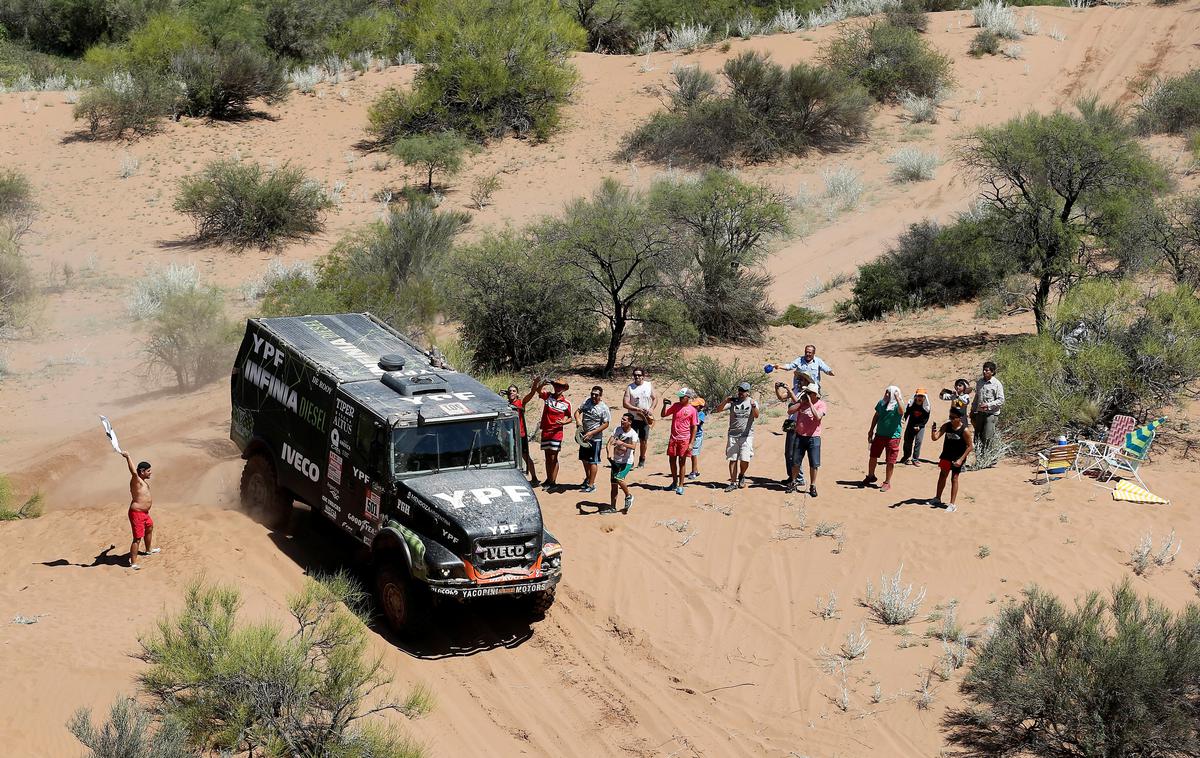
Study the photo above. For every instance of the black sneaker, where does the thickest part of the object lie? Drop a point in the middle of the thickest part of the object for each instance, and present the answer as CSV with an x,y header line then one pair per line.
x,y
534,482
741,482
731,487
812,491
790,488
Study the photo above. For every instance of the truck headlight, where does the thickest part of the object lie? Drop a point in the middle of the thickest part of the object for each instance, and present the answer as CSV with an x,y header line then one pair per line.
x,y
552,554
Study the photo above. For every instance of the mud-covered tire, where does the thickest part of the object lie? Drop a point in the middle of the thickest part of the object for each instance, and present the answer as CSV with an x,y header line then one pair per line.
x,y
262,496
398,599
540,602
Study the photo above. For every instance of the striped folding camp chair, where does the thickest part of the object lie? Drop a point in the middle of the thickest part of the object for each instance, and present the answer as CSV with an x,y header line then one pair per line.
x,y
1092,452
1127,459
1056,460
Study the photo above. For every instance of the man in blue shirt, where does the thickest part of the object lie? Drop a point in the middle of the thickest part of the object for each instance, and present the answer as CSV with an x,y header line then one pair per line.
x,y
809,364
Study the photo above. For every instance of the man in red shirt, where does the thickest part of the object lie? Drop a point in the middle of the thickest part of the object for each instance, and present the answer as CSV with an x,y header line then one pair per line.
x,y
556,414
683,434
518,403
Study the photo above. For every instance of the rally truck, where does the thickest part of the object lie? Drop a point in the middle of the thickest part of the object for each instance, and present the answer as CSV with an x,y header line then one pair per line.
x,y
416,462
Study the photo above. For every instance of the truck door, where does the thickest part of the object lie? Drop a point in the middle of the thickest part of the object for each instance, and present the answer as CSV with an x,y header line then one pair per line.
x,y
367,484
339,477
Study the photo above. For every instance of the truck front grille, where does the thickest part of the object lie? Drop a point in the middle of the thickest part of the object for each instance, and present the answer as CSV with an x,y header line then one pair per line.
x,y
508,551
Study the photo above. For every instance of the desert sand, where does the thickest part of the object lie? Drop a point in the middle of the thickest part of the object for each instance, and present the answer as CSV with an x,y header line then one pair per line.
x,y
688,641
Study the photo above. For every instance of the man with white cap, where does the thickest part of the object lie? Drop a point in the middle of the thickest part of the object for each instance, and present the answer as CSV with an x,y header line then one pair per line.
x,y
739,447
884,435
808,411
685,419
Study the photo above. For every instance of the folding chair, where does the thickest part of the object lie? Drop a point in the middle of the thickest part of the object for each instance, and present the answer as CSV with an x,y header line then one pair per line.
x,y
1092,451
1128,458
1062,457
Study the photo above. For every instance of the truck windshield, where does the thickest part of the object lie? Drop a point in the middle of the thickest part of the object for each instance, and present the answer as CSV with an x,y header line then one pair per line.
x,y
436,447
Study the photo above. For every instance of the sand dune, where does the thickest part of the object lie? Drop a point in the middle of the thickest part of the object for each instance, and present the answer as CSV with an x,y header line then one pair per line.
x,y
663,642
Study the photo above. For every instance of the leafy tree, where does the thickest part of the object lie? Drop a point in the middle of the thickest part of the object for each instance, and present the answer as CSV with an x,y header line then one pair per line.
x,y
1115,677
491,67
238,687
722,227
442,153
1172,232
516,308
619,248
298,29
190,336
1107,350
608,27
1056,183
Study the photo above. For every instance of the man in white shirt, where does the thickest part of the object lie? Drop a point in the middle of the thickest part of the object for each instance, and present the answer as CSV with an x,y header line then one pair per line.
x,y
640,400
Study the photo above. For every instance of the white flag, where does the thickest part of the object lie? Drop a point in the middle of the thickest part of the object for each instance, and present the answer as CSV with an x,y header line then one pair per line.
x,y
112,436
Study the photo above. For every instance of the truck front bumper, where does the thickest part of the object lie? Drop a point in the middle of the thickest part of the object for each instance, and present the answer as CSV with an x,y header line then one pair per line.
x,y
461,589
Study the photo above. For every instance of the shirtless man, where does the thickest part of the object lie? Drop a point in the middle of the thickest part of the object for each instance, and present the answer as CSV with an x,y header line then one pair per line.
x,y
139,509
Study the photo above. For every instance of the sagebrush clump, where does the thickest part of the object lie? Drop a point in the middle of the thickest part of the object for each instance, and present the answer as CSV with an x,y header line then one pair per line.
x,y
763,112
1105,676
892,603
1169,105
241,204
889,60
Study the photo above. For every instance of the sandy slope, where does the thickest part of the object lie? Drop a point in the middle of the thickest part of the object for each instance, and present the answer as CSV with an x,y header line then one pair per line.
x,y
655,647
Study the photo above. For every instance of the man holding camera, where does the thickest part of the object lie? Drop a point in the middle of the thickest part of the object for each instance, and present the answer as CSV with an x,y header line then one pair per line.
x,y
739,448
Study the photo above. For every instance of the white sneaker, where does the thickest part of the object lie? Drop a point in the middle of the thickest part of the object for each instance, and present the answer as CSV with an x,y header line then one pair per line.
x,y
951,508
135,566
155,551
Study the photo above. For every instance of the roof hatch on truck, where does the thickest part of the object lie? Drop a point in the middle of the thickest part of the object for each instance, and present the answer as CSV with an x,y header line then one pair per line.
x,y
411,386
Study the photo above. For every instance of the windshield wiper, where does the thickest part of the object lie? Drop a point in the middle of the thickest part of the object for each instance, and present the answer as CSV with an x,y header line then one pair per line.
x,y
471,452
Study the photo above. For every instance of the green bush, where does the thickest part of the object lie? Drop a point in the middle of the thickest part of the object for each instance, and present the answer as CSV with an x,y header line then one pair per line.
x,y
255,688
441,153
63,27
240,204
929,265
190,336
299,29
130,732
391,268
153,46
515,310
1108,350
222,84
18,287
1170,105
766,112
1105,678
609,27
228,23
124,103
491,67
376,31
667,323
911,14
16,197
10,511
889,60
985,42
713,379
799,317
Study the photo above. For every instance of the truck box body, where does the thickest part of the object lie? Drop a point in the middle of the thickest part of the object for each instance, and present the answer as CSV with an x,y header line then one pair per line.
x,y
419,452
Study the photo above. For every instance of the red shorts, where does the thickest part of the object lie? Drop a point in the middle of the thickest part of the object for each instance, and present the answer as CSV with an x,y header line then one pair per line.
x,y
679,448
139,520
946,465
891,444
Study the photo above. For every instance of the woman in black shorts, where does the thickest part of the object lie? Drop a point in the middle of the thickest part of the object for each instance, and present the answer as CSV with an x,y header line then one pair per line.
x,y
954,454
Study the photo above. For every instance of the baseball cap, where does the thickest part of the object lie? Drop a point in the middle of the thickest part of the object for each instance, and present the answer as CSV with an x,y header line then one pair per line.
x,y
812,390
685,392
744,386
919,391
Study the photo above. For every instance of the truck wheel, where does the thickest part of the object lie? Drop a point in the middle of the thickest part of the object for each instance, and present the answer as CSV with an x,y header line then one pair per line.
x,y
540,602
262,495
396,599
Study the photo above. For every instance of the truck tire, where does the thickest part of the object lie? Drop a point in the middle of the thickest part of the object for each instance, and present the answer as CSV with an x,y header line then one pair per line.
x,y
540,602
262,496
397,599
